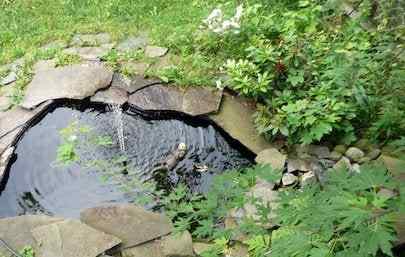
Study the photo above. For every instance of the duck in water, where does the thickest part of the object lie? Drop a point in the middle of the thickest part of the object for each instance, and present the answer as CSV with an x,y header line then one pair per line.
x,y
161,170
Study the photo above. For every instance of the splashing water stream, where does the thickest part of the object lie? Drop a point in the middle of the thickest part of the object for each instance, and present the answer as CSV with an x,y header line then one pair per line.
x,y
119,125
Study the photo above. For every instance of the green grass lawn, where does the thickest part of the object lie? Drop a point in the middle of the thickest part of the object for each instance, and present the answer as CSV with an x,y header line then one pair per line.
x,y
26,24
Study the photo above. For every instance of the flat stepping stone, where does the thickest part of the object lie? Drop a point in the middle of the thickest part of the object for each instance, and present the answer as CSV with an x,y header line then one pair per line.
x,y
112,95
133,43
132,224
192,100
89,53
71,238
16,231
73,82
155,51
236,118
90,39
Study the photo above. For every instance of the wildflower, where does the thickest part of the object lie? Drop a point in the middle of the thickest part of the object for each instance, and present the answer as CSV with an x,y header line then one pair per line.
x,y
216,23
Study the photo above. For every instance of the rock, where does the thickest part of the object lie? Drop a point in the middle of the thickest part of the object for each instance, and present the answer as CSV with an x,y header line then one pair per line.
x,y
340,149
6,93
44,65
132,224
71,238
298,165
53,45
165,62
4,159
140,82
90,39
374,154
264,193
10,78
193,100
149,249
133,43
272,157
132,85
343,163
178,245
387,193
335,156
74,82
90,53
112,95
135,68
364,145
356,168
16,231
308,179
200,247
238,250
289,179
364,160
354,154
321,152
395,166
13,123
236,118
155,51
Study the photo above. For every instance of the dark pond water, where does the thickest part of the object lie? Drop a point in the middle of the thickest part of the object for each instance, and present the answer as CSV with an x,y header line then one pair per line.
x,y
35,184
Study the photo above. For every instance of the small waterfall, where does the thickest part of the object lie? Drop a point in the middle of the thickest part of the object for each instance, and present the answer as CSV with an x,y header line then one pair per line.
x,y
119,125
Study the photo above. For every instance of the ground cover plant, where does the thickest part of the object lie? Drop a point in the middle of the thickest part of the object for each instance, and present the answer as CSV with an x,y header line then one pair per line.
x,y
345,217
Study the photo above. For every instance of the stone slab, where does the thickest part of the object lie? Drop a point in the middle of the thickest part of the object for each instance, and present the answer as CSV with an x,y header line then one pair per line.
x,y
16,231
90,53
272,157
74,82
132,224
193,101
133,43
236,117
90,39
71,238
112,95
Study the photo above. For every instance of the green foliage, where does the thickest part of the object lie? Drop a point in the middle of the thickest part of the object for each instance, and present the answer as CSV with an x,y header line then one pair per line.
x,y
320,74
346,218
28,251
63,59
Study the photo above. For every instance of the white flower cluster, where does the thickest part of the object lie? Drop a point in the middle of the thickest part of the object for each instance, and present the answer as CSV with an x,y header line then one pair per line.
x,y
216,23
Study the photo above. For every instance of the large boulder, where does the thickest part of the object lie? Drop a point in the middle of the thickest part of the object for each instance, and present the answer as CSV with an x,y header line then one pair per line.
x,y
74,82
236,118
71,238
132,224
193,100
272,157
16,231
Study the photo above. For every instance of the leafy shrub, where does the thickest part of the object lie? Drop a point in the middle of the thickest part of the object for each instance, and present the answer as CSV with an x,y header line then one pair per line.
x,y
345,217
317,73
